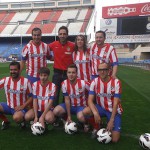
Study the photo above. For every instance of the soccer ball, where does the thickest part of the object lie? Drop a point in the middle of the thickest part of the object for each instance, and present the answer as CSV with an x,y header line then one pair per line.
x,y
37,128
104,136
70,127
144,141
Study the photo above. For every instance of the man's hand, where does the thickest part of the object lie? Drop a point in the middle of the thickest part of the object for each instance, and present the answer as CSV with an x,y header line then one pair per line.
x,y
97,118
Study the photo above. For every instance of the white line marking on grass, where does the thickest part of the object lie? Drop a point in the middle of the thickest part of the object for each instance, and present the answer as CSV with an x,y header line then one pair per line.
x,y
146,97
130,135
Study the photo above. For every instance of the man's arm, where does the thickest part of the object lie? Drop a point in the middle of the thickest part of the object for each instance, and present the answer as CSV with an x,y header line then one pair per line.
x,y
35,108
67,102
22,64
29,101
110,124
42,118
114,71
93,108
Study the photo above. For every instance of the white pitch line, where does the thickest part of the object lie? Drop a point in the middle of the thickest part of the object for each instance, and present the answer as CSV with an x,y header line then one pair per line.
x,y
130,135
146,97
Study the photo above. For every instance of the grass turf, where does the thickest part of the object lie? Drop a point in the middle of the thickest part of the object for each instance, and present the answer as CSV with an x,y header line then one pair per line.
x,y
135,120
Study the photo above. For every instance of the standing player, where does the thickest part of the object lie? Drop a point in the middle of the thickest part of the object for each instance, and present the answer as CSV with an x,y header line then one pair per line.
x,y
62,51
35,54
102,52
81,57
107,91
43,96
18,94
74,91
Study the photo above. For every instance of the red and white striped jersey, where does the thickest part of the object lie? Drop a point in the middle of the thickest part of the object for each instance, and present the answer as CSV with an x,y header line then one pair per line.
x,y
16,92
43,94
82,61
106,54
36,56
77,92
105,93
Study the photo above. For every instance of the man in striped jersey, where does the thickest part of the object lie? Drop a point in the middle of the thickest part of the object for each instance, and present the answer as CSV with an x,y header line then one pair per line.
x,y
74,91
35,53
43,96
102,52
18,94
107,91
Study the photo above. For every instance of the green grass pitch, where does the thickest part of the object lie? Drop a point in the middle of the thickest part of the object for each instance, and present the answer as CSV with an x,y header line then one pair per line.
x,y
135,120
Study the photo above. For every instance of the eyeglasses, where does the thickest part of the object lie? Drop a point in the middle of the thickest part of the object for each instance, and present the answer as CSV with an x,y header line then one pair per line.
x,y
104,69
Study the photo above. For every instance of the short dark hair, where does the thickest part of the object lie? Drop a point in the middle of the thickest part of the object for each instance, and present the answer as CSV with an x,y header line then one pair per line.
x,y
15,63
100,31
64,28
73,66
44,70
36,29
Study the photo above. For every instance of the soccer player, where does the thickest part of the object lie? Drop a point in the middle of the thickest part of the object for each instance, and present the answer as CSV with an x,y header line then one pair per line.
x,y
107,91
74,91
43,96
81,57
35,55
100,52
62,51
18,92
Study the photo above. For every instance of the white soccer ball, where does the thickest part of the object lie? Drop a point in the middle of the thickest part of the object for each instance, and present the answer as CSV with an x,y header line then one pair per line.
x,y
144,140
70,127
104,136
37,128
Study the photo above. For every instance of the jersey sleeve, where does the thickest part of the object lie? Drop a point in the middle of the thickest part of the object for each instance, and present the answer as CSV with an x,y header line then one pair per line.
x,y
113,57
2,81
49,52
92,88
34,90
29,89
53,92
24,53
118,89
64,90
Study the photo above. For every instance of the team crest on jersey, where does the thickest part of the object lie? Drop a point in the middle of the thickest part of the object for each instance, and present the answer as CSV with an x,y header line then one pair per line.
x,y
105,53
68,49
21,86
95,50
80,90
112,89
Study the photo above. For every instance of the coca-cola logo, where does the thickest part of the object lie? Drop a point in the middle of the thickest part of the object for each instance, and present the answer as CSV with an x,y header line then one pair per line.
x,y
145,8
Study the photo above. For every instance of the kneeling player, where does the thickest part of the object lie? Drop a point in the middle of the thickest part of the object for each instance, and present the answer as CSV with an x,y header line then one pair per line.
x,y
107,91
43,95
17,90
74,91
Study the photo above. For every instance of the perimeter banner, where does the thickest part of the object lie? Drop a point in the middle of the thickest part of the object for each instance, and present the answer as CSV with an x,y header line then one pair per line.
x,y
139,9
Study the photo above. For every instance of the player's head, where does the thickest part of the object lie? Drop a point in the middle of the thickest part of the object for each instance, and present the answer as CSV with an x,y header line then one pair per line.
x,y
36,35
80,43
44,73
72,73
104,70
63,34
100,37
14,68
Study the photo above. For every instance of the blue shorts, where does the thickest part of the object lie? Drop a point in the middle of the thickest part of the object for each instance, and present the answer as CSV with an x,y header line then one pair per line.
x,y
74,109
32,79
10,111
41,112
117,120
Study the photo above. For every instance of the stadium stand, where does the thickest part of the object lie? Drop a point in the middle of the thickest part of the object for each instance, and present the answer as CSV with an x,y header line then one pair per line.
x,y
18,20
